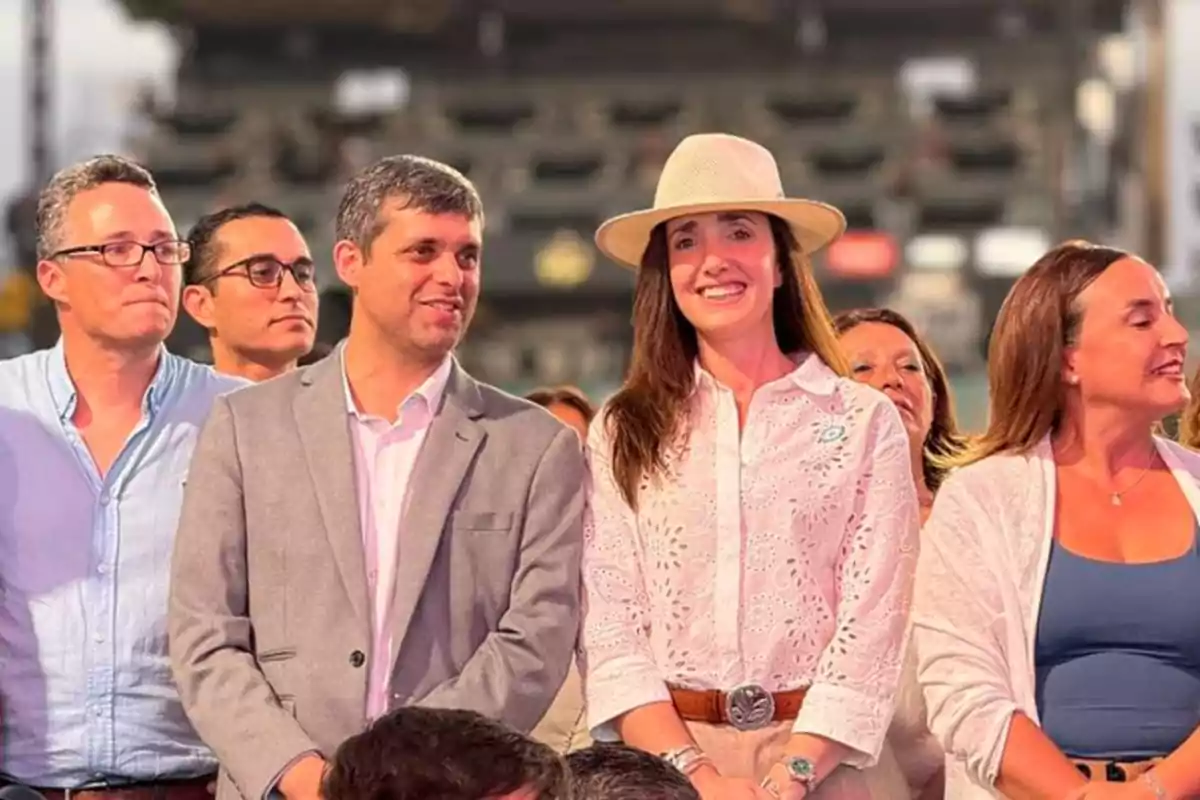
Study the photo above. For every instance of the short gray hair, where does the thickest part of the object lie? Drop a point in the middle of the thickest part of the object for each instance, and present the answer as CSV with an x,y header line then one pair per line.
x,y
424,184
69,182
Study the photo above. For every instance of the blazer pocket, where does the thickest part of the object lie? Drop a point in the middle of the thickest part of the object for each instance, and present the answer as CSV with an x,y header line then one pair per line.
x,y
481,521
278,654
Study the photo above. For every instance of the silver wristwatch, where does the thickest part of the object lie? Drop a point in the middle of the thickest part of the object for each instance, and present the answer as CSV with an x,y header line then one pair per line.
x,y
801,770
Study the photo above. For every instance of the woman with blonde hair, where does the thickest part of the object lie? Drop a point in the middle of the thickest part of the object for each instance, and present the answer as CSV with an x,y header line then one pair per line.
x,y
751,532
1055,616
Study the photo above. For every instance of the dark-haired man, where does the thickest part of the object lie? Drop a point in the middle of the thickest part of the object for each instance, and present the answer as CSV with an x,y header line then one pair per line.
x,y
423,753
251,283
379,529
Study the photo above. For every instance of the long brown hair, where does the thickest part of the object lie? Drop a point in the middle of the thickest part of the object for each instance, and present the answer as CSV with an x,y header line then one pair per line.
x,y
649,413
944,443
1039,320
1189,418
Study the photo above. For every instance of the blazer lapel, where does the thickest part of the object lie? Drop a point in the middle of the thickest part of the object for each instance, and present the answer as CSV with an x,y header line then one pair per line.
x,y
450,446
324,424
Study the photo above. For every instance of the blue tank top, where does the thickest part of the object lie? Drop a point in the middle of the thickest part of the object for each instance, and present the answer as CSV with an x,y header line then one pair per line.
x,y
1117,655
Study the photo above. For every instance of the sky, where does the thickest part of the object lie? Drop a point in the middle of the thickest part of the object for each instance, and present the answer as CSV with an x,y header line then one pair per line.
x,y
100,59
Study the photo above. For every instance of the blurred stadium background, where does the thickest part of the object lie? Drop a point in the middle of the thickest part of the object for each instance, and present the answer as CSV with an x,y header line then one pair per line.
x,y
961,138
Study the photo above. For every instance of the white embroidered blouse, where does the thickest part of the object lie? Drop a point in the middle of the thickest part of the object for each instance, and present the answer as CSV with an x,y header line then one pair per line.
x,y
783,556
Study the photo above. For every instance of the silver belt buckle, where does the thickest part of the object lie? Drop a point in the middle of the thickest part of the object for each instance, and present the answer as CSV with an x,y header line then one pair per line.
x,y
749,707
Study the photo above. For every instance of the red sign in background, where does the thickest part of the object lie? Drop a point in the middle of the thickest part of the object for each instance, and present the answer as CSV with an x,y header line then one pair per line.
x,y
862,255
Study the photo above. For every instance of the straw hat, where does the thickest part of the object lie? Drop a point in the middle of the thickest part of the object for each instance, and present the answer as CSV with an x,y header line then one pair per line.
x,y
718,172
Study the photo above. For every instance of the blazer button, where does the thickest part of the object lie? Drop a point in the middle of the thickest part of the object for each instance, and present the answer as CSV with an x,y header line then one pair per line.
x,y
357,659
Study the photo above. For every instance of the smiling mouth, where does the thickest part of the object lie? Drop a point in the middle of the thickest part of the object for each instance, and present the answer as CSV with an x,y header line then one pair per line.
x,y
724,291
1172,369
450,306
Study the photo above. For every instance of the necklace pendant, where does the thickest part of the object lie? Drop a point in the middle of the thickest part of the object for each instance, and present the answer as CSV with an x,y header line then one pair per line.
x,y
1116,499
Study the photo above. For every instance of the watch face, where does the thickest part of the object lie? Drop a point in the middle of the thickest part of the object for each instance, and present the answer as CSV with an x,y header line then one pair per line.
x,y
801,769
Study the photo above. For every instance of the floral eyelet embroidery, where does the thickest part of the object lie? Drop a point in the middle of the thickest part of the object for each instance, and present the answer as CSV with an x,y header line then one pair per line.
x,y
832,433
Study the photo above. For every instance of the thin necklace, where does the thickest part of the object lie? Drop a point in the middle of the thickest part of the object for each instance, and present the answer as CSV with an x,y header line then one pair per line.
x,y
1116,496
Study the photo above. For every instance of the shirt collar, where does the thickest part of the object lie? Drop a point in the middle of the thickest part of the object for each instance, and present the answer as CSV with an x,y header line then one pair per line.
x,y
811,374
62,388
430,391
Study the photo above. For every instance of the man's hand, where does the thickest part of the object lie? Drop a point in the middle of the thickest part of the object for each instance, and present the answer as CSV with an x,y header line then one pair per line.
x,y
302,781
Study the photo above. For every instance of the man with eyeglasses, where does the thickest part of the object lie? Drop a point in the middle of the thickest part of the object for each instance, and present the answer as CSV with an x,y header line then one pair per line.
x,y
95,438
251,282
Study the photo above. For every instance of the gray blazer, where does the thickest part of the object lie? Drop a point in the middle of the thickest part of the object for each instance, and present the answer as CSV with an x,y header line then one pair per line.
x,y
269,612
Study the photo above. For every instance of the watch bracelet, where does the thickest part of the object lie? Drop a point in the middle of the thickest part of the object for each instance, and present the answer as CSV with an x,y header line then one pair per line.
x,y
686,759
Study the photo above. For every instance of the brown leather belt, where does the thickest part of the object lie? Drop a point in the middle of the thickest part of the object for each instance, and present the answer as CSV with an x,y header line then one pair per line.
x,y
745,708
191,789
1113,771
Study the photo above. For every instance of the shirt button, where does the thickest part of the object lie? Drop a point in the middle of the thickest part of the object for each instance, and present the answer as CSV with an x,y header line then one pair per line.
x,y
357,659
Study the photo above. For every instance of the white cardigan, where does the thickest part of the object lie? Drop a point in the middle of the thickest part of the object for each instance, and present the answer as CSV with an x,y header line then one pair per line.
x,y
984,553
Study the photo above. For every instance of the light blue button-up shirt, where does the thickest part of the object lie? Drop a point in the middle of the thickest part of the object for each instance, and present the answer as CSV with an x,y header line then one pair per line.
x,y
86,694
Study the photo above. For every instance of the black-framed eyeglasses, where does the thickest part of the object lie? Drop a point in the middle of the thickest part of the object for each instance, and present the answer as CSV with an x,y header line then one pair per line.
x,y
132,254
266,272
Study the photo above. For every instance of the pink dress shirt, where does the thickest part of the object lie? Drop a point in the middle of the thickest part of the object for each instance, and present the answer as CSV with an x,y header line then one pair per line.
x,y
384,456
781,555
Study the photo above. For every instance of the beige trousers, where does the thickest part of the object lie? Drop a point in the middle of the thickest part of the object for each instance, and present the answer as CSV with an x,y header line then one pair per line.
x,y
752,754
564,727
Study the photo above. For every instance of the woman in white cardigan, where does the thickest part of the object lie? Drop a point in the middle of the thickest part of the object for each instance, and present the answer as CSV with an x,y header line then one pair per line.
x,y
1054,624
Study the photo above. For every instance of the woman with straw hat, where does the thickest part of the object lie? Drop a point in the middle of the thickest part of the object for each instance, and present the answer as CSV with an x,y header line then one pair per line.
x,y
751,533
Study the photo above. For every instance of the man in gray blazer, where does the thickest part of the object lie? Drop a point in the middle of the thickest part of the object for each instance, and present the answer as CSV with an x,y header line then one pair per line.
x,y
379,529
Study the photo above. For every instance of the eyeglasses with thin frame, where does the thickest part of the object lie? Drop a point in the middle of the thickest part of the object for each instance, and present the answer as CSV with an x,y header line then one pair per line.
x,y
266,272
132,254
